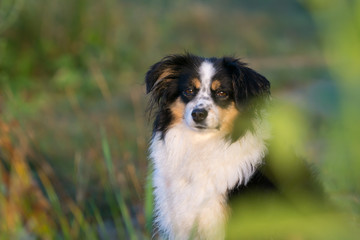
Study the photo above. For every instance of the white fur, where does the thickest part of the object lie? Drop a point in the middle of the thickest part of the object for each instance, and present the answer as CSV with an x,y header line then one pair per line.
x,y
206,72
203,99
192,173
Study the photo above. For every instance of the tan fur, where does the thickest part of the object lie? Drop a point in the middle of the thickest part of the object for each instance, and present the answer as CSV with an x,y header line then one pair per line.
x,y
196,83
227,118
177,109
215,85
163,75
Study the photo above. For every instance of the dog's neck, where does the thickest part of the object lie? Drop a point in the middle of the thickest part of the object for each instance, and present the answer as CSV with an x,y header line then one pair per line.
x,y
193,172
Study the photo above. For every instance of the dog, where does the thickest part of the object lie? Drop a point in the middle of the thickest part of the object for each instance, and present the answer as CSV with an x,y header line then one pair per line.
x,y
209,138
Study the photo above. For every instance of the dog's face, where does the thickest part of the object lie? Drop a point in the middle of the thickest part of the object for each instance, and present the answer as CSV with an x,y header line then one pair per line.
x,y
205,94
208,97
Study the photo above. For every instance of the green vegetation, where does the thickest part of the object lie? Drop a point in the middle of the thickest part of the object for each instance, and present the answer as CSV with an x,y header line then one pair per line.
x,y
73,130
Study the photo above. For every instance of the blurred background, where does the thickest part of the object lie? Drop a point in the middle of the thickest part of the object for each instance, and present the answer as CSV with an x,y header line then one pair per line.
x,y
73,128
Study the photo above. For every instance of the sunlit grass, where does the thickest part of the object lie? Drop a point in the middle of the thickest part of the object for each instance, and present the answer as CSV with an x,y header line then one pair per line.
x,y
73,144
27,212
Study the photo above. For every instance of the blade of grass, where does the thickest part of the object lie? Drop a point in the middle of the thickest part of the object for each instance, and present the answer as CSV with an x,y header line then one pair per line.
x,y
126,215
119,198
99,220
84,226
54,201
114,212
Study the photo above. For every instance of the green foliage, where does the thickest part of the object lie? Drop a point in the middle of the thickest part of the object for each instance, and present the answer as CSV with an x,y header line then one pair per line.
x,y
72,122
339,159
274,219
340,35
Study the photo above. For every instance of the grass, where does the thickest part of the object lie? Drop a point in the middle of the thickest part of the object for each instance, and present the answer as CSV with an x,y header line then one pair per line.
x,y
74,135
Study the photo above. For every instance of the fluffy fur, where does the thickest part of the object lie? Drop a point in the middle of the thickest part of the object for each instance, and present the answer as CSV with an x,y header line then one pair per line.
x,y
208,138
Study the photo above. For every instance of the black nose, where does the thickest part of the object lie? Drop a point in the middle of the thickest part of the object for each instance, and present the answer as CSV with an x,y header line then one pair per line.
x,y
199,114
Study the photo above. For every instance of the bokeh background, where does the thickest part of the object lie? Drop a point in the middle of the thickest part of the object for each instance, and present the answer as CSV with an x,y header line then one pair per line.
x,y
73,128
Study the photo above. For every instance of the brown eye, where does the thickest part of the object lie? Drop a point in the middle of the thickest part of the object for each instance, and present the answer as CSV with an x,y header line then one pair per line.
x,y
221,94
189,92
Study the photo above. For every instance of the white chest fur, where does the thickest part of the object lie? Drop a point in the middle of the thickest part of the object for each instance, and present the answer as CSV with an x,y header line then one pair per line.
x,y
192,173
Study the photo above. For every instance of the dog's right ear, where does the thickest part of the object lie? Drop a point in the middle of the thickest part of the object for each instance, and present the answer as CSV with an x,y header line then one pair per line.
x,y
159,76
153,75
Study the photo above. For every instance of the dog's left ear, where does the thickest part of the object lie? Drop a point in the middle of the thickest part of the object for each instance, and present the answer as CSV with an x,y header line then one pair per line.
x,y
251,92
249,86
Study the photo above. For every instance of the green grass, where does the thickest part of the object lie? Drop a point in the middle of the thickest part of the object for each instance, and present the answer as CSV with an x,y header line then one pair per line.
x,y
73,130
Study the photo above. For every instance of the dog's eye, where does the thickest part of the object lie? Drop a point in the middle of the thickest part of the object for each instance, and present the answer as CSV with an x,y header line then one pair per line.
x,y
221,94
189,92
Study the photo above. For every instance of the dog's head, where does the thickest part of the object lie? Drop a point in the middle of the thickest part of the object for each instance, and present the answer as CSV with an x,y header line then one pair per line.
x,y
206,94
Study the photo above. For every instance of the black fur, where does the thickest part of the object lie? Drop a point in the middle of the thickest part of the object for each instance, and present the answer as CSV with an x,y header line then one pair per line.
x,y
251,93
166,90
244,86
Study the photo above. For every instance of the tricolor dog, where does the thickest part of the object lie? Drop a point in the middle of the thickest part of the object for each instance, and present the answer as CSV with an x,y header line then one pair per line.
x,y
208,138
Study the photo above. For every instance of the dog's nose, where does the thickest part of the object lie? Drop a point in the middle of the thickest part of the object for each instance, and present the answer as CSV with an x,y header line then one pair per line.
x,y
199,114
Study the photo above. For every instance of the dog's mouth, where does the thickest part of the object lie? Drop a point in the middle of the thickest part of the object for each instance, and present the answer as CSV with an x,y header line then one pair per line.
x,y
201,127
204,127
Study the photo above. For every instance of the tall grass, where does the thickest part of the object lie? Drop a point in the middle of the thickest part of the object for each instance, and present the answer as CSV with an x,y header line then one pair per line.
x,y
119,198
73,134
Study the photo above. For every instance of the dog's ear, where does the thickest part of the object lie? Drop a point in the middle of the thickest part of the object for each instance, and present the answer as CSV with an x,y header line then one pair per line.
x,y
156,79
249,86
251,92
157,74
161,79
